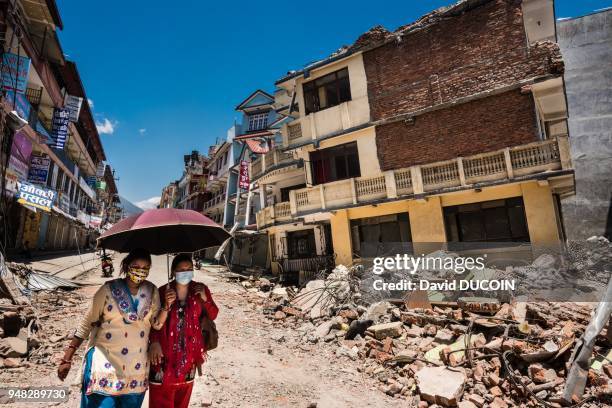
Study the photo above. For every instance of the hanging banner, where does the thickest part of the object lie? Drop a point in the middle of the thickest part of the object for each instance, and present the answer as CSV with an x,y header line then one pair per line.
x,y
21,104
244,182
101,185
15,71
21,150
29,194
73,105
59,128
39,169
100,169
64,203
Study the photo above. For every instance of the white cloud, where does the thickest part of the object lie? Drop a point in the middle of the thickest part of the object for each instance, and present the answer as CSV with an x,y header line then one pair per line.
x,y
149,203
90,102
142,131
106,127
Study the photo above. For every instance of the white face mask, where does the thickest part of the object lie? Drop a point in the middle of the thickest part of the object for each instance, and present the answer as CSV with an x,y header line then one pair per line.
x,y
184,277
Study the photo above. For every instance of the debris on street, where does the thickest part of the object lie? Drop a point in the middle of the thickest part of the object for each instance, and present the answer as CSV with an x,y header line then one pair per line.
x,y
470,353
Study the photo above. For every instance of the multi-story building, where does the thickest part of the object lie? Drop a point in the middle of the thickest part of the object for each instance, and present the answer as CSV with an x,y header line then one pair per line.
x,y
586,45
169,195
228,205
191,188
450,129
37,83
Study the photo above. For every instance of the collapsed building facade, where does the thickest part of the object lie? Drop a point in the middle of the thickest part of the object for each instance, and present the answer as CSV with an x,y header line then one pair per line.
x,y
449,129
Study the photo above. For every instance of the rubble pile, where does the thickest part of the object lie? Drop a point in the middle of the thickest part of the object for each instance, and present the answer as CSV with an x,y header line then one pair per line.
x,y
29,332
445,354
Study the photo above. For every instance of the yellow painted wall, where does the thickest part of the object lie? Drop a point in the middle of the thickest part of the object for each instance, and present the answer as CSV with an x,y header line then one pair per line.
x,y
487,194
427,220
341,237
541,214
366,146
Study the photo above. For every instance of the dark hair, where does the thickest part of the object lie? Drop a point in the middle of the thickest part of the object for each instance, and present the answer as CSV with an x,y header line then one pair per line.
x,y
138,253
184,257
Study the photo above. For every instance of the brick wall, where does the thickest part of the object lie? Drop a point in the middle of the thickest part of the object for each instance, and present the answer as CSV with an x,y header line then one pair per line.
x,y
478,126
482,49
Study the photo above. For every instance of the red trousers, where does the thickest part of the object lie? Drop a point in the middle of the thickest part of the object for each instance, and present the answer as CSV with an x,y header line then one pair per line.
x,y
170,396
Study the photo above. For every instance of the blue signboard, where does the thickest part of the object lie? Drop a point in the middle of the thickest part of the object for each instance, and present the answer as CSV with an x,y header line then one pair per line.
x,y
59,127
39,169
38,197
15,71
22,105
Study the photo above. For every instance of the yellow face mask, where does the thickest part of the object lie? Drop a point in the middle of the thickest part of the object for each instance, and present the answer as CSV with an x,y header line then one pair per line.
x,y
137,275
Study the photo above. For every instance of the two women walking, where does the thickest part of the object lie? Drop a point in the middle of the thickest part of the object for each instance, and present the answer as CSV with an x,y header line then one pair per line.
x,y
136,340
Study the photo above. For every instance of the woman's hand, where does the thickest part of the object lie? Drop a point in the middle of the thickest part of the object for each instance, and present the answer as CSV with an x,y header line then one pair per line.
x,y
155,353
63,369
170,298
200,289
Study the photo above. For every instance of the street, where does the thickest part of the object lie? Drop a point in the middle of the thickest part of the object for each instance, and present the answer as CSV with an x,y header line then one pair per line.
x,y
257,364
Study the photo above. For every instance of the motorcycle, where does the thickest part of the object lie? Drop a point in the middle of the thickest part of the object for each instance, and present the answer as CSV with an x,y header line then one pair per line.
x,y
107,265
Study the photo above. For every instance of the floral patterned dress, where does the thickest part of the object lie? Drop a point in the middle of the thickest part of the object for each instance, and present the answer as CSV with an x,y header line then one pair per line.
x,y
118,326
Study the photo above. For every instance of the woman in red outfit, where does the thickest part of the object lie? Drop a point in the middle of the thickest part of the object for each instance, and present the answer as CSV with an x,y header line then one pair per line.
x,y
177,349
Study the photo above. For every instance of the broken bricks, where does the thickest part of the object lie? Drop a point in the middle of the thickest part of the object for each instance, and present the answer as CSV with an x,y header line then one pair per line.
x,y
493,355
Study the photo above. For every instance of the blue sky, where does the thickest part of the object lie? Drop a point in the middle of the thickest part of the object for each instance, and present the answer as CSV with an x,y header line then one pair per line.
x,y
164,77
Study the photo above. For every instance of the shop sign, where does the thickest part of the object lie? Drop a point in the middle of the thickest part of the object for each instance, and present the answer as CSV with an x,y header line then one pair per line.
x,y
59,128
73,105
15,71
31,195
21,150
243,183
39,169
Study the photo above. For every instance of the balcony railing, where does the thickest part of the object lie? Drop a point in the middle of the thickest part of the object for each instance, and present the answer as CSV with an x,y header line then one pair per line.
x,y
505,164
214,201
266,161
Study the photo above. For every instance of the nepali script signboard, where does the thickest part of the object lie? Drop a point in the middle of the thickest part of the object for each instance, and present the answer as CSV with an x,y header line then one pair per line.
x,y
73,105
31,195
15,71
243,183
59,127
39,169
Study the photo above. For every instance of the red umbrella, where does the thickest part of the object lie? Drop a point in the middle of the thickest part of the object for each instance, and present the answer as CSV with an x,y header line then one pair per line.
x,y
163,231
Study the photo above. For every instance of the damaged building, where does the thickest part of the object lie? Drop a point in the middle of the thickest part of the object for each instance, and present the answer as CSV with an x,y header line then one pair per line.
x,y
449,129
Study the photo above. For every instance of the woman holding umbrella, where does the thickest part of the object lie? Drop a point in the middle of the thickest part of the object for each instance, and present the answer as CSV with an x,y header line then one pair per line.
x,y
178,348
115,369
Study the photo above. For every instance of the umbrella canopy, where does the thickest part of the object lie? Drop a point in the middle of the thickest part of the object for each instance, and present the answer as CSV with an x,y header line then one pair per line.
x,y
162,231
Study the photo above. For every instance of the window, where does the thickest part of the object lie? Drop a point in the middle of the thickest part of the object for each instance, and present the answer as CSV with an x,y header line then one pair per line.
x,y
367,234
336,163
489,221
258,121
301,244
285,191
327,91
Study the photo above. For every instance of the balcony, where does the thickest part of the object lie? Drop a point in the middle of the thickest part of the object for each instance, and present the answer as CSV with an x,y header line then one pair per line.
x,y
272,160
214,202
510,164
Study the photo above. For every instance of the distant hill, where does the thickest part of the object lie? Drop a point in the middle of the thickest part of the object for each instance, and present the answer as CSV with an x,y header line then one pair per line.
x,y
129,208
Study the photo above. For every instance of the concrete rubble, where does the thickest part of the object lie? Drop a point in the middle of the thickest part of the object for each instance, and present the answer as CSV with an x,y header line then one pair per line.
x,y
451,354
24,311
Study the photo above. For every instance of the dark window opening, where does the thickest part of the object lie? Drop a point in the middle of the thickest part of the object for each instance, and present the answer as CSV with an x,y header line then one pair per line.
x,y
489,221
301,244
327,91
368,234
285,191
336,163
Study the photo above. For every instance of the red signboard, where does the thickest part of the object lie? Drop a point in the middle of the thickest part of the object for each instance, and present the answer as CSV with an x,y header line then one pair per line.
x,y
243,183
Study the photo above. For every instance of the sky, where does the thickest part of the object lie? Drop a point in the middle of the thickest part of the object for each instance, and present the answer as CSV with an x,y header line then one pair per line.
x,y
164,77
